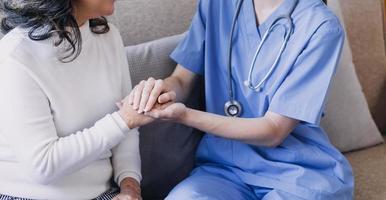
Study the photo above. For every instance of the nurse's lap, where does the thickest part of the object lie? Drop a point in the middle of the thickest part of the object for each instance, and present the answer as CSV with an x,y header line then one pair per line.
x,y
211,184
214,183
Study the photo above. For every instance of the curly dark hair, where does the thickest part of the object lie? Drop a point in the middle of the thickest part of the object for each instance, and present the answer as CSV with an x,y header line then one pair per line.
x,y
44,18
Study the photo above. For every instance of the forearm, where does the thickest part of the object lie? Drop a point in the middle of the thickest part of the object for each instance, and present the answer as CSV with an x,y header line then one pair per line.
x,y
46,156
126,158
257,131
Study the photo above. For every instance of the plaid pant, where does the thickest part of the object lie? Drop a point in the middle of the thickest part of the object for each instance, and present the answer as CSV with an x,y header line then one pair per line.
x,y
105,196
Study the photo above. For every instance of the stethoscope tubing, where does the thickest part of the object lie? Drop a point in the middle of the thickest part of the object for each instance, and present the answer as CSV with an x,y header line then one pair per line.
x,y
233,107
249,82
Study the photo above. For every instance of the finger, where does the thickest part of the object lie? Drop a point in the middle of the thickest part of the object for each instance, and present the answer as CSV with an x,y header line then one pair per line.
x,y
159,114
153,114
146,93
154,95
130,98
162,106
138,94
119,105
167,97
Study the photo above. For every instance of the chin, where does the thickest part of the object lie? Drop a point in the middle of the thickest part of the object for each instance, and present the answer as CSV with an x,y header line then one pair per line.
x,y
109,10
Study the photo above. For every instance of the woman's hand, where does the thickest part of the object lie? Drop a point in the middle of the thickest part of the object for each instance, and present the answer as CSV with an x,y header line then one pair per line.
x,y
169,112
130,190
148,93
131,116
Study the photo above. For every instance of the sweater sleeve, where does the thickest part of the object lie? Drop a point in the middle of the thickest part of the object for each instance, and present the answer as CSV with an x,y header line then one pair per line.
x,y
27,124
126,157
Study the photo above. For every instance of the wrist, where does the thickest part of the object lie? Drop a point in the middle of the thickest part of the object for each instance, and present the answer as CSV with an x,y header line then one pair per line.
x,y
129,183
186,116
127,119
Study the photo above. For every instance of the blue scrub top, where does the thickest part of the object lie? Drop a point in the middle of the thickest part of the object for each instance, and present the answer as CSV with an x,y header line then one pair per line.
x,y
306,163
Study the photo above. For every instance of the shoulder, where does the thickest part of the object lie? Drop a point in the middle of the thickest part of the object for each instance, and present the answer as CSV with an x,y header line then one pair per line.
x,y
14,48
22,58
317,19
11,43
112,37
212,11
13,74
113,29
16,45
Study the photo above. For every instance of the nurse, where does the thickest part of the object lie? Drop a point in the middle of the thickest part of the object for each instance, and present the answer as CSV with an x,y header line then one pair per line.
x,y
263,105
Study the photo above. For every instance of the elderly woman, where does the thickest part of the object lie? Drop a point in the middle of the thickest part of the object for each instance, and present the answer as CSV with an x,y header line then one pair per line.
x,y
62,70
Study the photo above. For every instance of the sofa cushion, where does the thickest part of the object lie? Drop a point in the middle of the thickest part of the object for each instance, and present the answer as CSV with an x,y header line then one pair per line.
x,y
369,166
347,118
167,149
363,21
145,20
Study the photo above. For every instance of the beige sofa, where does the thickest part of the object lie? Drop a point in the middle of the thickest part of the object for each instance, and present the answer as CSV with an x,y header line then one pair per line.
x,y
145,20
363,23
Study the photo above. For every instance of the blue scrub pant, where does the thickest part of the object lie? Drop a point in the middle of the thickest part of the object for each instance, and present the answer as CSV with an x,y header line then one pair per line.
x,y
216,183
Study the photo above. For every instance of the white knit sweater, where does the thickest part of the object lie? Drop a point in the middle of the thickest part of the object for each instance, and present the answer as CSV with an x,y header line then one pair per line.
x,y
60,134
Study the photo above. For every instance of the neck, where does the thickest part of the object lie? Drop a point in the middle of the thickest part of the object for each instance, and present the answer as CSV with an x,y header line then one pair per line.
x,y
79,17
81,21
264,4
264,8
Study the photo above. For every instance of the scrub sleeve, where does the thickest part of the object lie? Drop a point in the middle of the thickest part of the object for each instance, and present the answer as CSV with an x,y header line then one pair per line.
x,y
303,92
190,53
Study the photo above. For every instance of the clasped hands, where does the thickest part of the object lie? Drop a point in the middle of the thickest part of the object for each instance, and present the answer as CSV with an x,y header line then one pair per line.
x,y
150,100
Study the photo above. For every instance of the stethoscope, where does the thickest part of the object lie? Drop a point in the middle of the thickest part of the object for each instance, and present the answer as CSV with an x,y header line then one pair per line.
x,y
233,108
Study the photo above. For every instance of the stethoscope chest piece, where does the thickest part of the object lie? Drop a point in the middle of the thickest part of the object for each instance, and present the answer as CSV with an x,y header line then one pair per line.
x,y
233,108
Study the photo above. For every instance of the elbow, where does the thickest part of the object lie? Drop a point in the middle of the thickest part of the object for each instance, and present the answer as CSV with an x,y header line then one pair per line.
x,y
41,173
43,166
275,138
275,133
274,141
41,178
271,140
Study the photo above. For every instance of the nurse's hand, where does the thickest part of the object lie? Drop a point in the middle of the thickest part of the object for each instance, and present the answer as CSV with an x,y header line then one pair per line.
x,y
148,93
131,117
169,112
